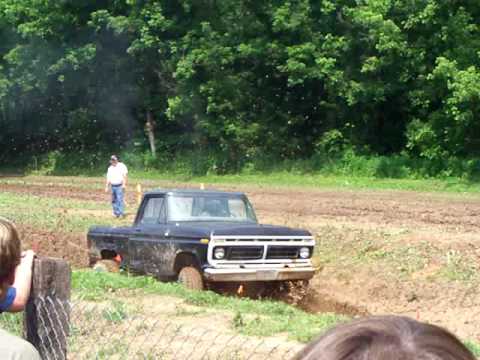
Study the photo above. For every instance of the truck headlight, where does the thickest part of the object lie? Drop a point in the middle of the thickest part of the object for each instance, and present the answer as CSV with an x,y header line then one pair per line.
x,y
304,253
219,253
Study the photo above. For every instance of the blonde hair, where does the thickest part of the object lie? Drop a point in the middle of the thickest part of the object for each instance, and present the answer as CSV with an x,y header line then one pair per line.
x,y
10,252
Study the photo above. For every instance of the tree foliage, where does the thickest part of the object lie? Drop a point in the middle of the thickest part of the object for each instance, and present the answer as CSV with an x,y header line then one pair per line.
x,y
241,80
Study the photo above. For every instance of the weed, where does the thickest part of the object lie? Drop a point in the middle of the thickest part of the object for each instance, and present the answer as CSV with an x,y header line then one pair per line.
x,y
238,321
115,314
458,268
183,311
117,348
474,347
275,317
407,259
12,322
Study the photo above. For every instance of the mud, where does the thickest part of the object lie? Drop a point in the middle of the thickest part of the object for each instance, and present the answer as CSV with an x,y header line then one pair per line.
x,y
359,222
69,246
316,302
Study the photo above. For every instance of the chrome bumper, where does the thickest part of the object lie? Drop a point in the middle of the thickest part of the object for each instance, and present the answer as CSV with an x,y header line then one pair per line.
x,y
274,274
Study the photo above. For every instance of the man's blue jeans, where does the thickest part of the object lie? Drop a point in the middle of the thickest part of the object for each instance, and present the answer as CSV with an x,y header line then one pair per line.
x,y
117,200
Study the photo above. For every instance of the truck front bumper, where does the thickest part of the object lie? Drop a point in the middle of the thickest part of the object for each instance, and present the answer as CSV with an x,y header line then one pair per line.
x,y
274,274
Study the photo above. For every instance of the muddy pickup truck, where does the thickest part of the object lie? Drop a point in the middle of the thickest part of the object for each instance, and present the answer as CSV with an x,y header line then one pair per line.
x,y
200,236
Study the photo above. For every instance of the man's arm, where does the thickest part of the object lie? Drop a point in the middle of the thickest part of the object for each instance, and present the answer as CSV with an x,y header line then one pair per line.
x,y
23,281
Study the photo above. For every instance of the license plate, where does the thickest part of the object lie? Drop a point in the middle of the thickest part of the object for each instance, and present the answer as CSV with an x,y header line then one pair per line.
x,y
266,274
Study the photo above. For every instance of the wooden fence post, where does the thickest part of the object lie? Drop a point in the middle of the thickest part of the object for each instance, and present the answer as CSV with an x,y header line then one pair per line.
x,y
47,315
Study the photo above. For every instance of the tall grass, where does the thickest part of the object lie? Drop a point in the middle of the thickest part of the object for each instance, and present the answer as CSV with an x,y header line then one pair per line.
x,y
197,163
342,169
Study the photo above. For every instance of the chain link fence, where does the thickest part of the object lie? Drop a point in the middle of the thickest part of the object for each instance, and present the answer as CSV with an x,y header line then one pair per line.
x,y
113,330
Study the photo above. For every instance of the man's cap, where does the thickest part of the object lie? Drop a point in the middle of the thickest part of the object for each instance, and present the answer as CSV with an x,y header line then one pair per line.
x,y
113,158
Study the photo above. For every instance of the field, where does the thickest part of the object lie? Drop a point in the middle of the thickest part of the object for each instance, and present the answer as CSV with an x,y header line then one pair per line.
x,y
378,251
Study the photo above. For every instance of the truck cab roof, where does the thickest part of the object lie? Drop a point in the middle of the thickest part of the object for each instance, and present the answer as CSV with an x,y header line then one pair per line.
x,y
193,192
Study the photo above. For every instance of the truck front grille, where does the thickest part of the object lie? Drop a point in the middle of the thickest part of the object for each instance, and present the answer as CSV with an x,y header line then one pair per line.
x,y
244,252
282,252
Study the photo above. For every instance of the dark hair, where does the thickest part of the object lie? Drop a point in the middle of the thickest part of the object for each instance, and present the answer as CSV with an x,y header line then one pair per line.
x,y
386,338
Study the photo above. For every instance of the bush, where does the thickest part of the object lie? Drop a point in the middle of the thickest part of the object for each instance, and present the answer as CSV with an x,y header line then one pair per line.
x,y
396,166
201,163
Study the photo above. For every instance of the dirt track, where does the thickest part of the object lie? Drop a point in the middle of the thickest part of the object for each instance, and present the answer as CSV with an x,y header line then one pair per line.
x,y
366,241
386,208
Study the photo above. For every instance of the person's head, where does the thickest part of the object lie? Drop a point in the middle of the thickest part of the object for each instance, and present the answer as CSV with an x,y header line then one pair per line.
x,y
386,338
114,160
10,252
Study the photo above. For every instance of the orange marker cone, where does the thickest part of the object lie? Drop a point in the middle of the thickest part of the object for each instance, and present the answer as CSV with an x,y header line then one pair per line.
x,y
240,290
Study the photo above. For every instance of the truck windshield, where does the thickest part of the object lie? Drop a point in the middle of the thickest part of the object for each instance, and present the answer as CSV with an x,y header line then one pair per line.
x,y
210,208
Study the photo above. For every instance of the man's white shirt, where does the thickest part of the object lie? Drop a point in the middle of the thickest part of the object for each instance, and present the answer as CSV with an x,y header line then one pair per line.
x,y
115,174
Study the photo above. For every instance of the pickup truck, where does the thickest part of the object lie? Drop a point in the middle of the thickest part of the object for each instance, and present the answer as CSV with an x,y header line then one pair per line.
x,y
201,236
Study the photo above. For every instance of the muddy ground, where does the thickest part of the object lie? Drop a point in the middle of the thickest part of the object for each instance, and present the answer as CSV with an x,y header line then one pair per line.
x,y
416,254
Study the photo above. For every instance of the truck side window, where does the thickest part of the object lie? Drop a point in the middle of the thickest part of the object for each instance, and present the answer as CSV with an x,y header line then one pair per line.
x,y
237,208
154,211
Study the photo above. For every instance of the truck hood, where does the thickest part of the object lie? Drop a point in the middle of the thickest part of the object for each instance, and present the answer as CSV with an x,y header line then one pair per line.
x,y
202,230
246,229
109,230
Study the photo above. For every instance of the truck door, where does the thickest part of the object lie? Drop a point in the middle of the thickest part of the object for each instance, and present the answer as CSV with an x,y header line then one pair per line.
x,y
149,248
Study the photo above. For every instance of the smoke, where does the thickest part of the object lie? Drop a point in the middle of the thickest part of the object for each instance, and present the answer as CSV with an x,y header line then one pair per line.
x,y
70,86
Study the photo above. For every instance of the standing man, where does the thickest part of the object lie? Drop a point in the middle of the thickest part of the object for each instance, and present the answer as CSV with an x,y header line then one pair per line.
x,y
117,180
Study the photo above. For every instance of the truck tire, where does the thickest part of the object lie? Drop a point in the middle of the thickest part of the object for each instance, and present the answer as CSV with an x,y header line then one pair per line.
x,y
107,265
191,278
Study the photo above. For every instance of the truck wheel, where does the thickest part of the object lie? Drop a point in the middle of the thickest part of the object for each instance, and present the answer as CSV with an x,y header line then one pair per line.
x,y
191,278
106,265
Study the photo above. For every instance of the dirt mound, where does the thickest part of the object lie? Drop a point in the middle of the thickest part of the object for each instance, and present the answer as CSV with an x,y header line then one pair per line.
x,y
291,292
315,302
69,246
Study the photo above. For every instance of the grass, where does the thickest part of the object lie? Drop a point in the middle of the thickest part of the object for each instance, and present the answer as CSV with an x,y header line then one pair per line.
x,y
362,248
116,313
51,213
259,318
311,180
12,322
473,347
294,179
252,317
289,179
341,167
457,267
390,257
365,246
